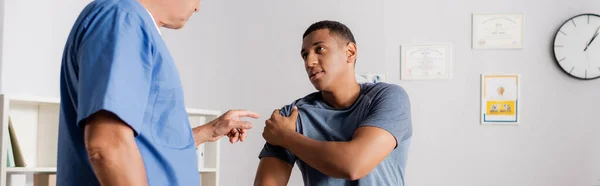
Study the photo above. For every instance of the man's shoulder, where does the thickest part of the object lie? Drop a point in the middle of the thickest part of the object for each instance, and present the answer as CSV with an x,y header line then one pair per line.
x,y
383,90
109,21
128,11
309,99
127,6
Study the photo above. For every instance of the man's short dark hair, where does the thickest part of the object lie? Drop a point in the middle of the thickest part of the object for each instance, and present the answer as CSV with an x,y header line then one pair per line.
x,y
334,27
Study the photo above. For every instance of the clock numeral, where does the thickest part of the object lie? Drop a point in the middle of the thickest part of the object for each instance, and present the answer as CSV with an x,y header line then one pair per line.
x,y
558,46
588,19
585,74
571,70
598,68
573,21
562,32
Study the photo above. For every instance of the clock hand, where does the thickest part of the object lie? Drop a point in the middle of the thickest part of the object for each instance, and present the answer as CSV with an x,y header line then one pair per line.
x,y
592,40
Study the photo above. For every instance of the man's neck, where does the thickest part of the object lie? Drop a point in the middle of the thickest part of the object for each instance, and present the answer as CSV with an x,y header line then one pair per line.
x,y
344,96
151,10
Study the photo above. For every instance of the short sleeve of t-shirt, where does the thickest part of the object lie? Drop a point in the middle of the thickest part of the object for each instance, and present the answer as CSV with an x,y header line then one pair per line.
x,y
115,68
390,111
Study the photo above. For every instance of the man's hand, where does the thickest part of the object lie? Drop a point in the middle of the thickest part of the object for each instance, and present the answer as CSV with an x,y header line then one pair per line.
x,y
229,124
277,126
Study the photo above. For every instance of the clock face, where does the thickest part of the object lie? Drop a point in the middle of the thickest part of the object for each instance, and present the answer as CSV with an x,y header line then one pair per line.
x,y
577,47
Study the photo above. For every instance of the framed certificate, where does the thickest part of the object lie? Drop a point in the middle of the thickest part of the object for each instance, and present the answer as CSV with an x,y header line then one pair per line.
x,y
425,62
500,99
497,31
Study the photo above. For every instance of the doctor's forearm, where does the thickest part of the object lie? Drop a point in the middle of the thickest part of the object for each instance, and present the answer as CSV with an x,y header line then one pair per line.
x,y
331,158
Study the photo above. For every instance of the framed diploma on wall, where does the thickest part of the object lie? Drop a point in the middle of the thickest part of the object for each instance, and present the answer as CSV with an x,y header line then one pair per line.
x,y
497,31
423,62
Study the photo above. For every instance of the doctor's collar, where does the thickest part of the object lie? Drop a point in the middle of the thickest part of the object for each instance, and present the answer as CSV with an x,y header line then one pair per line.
x,y
153,21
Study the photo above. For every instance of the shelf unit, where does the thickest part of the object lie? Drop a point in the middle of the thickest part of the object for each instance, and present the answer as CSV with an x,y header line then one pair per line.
x,y
35,122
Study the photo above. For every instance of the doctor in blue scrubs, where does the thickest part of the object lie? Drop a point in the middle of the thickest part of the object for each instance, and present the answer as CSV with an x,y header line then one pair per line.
x,y
122,116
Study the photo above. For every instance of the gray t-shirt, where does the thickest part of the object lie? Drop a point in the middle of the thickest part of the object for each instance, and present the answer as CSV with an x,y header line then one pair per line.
x,y
382,105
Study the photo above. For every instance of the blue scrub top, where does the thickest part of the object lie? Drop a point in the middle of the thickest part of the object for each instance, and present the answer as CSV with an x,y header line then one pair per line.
x,y
116,60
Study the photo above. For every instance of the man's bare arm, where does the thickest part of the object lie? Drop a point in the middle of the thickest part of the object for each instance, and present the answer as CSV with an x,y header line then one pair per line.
x,y
272,172
113,152
350,160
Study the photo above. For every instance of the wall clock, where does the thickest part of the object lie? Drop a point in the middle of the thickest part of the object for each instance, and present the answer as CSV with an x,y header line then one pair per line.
x,y
577,47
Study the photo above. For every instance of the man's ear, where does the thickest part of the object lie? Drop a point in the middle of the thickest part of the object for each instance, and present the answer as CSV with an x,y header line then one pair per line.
x,y
351,52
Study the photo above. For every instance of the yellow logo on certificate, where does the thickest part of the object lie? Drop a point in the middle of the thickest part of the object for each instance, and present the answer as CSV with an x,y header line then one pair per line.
x,y
500,108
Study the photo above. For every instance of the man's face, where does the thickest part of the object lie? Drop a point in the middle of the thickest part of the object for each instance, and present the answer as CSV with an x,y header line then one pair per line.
x,y
325,58
178,12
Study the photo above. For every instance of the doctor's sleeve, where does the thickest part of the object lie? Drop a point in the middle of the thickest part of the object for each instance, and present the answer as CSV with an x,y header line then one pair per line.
x,y
115,70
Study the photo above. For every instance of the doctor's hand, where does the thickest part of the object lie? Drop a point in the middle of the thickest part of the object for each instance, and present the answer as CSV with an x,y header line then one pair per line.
x,y
228,124
278,126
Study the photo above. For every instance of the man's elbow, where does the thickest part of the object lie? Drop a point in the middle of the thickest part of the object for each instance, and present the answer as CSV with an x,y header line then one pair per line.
x,y
106,137
101,154
355,174
356,171
96,155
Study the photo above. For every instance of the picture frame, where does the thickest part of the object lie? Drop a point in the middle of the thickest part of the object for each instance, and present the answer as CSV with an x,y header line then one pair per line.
x,y
426,61
500,95
497,30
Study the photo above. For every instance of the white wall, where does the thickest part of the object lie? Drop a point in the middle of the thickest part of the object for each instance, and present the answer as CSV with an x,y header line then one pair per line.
x,y
243,50
231,55
1,38
246,54
557,142
35,33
